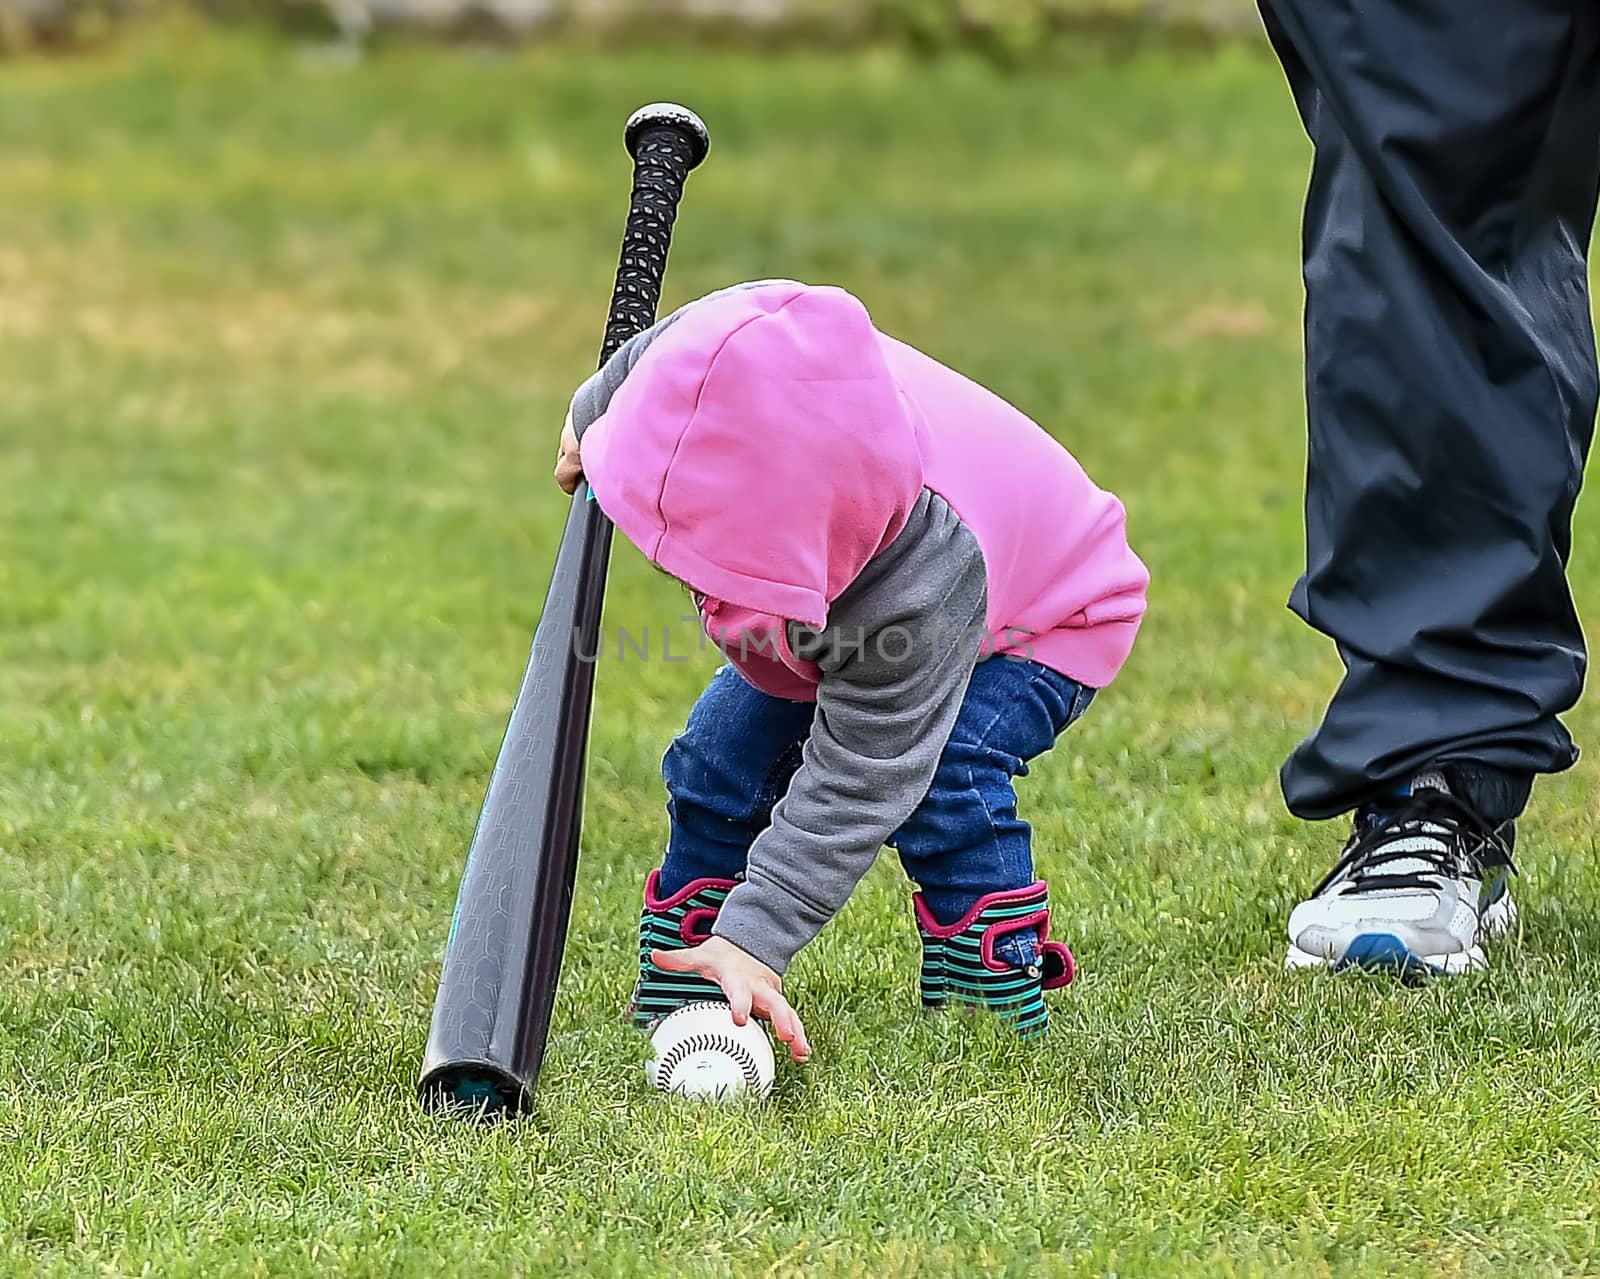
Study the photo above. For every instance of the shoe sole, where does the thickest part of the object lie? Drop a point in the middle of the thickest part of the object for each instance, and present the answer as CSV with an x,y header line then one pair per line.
x,y
1386,953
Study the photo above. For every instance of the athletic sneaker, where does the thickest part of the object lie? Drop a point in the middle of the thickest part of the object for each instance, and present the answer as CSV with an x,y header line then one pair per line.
x,y
1420,887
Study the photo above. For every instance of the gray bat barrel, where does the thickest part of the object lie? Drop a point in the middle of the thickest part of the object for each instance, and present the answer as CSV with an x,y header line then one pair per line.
x,y
497,986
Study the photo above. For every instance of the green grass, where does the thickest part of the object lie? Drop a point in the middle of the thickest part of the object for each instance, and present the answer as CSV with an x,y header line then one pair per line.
x,y
283,351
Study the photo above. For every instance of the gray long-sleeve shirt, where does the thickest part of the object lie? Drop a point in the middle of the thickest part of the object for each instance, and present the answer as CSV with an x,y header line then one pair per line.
x,y
895,658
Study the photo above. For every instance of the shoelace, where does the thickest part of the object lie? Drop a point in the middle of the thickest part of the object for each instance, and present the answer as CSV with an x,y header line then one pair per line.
x,y
1439,830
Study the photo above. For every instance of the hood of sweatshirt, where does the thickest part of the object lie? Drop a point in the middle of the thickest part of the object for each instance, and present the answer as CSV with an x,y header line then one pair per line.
x,y
761,450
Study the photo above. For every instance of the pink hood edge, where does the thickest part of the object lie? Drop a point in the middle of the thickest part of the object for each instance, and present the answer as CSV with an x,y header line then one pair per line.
x,y
760,450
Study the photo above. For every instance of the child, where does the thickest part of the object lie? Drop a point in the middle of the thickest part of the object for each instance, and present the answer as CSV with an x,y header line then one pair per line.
x,y
917,590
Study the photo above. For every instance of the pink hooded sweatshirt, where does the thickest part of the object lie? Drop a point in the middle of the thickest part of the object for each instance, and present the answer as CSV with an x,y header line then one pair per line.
x,y
771,442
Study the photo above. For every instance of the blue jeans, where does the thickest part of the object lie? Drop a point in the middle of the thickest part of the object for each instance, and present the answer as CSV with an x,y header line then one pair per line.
x,y
733,762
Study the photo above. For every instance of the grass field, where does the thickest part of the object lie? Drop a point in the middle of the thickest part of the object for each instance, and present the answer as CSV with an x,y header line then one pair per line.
x,y
283,350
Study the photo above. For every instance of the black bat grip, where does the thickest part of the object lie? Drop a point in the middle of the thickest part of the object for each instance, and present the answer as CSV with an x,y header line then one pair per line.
x,y
666,143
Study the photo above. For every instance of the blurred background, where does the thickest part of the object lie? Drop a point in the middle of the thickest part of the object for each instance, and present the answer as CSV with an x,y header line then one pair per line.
x,y
1014,29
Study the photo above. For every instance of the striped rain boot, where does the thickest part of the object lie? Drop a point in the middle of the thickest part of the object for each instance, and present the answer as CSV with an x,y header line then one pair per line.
x,y
674,923
997,956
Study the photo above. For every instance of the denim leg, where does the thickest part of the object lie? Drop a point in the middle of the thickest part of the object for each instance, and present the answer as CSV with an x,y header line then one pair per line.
x,y
724,773
965,839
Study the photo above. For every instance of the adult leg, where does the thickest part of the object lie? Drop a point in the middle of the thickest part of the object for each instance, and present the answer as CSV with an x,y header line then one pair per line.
x,y
1451,383
1451,389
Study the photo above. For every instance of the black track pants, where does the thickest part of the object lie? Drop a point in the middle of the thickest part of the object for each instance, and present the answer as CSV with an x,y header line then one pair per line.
x,y
1450,377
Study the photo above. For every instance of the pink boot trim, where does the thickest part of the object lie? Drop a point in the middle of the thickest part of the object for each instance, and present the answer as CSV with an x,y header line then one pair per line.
x,y
1036,891
1059,966
695,926
653,901
1054,957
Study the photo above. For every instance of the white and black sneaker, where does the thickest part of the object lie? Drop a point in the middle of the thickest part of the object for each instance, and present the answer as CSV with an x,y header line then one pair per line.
x,y
1419,889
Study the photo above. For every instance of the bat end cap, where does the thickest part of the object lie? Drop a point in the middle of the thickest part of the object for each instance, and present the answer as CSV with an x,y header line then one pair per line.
x,y
475,1090
670,115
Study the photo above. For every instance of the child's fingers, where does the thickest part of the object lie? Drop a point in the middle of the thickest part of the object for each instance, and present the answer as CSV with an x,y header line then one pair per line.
x,y
675,961
799,1046
739,999
786,1024
569,470
569,465
745,996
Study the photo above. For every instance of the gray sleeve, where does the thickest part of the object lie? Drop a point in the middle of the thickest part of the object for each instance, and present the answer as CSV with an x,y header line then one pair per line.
x,y
594,396
896,657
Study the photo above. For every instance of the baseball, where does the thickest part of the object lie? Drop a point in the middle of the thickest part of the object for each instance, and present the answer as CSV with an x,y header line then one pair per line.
x,y
700,1052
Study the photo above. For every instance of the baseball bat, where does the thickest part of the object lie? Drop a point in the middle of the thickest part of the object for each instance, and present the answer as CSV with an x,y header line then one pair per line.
x,y
497,985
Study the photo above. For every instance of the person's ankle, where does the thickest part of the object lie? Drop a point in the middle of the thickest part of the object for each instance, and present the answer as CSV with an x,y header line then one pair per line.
x,y
1495,794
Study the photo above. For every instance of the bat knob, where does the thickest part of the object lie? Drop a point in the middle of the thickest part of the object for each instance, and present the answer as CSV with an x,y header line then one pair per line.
x,y
669,115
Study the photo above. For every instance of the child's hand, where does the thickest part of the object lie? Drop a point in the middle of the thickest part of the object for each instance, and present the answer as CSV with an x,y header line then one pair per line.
x,y
748,983
569,465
